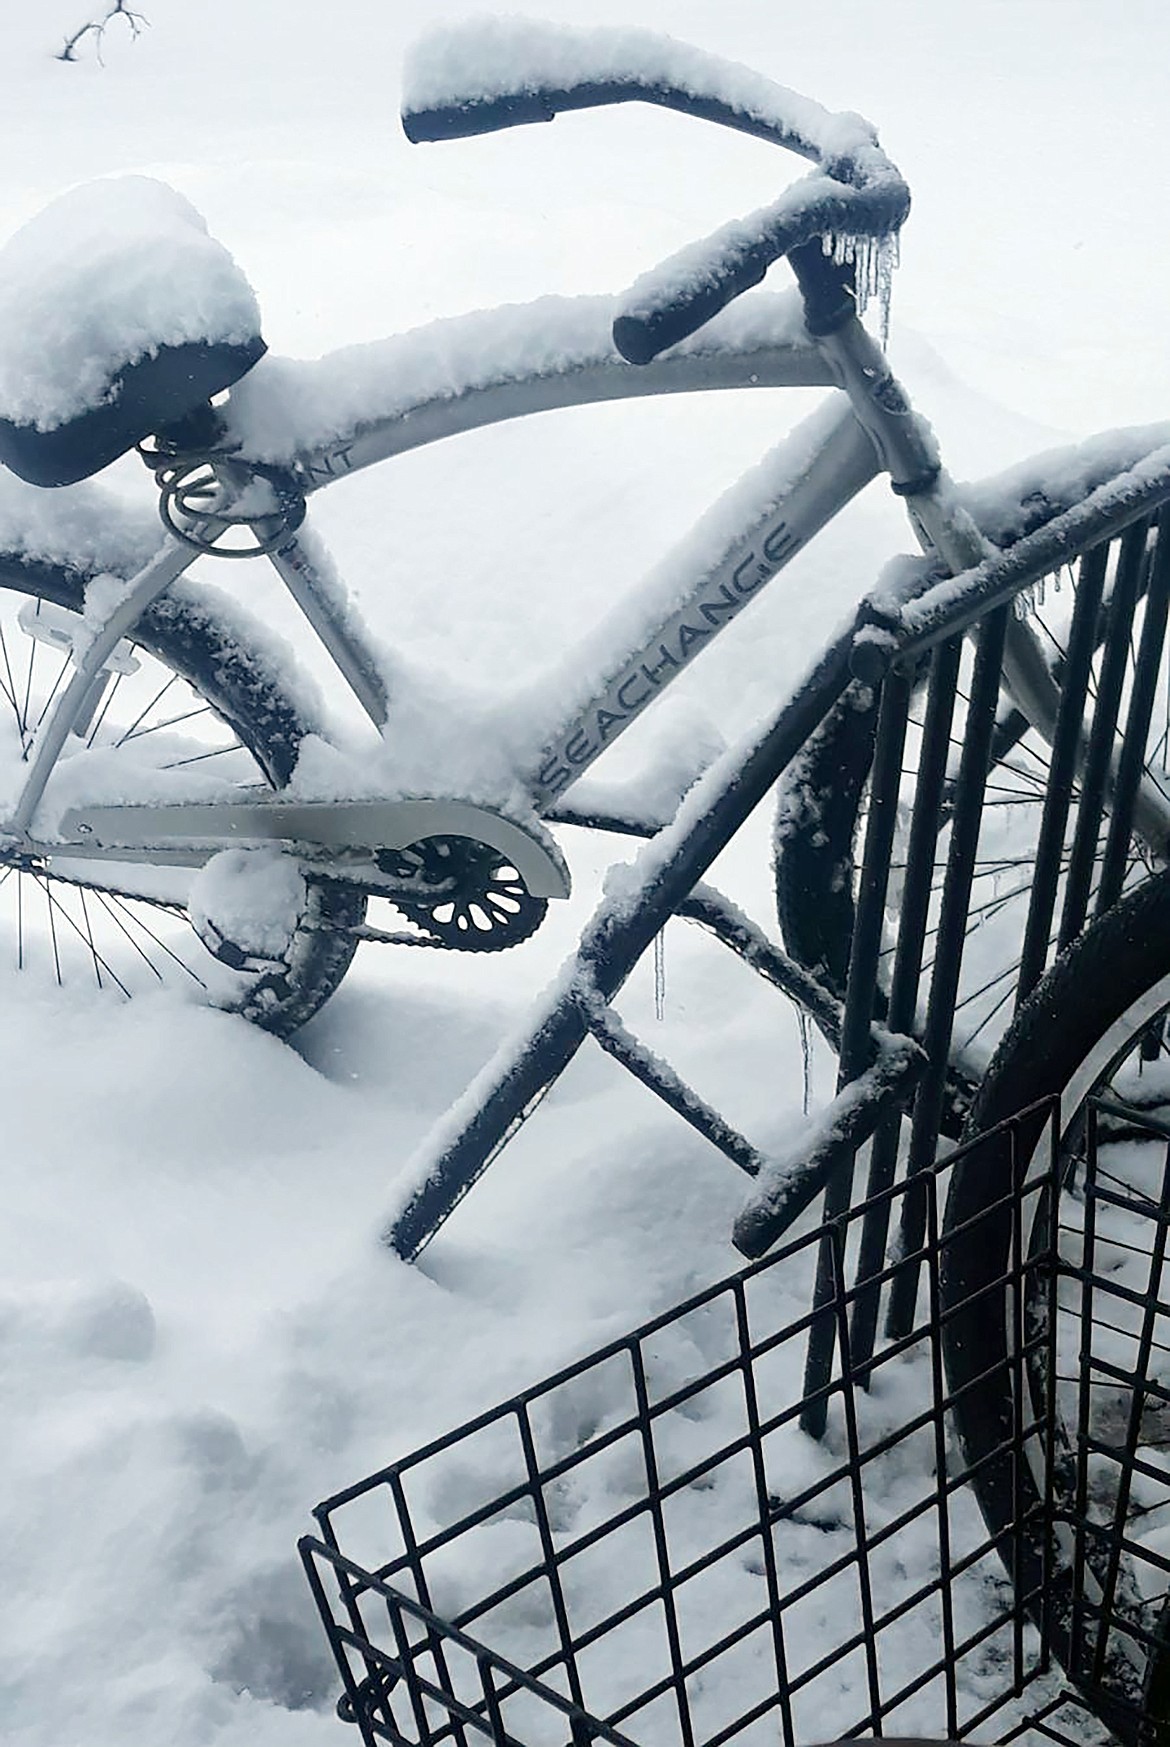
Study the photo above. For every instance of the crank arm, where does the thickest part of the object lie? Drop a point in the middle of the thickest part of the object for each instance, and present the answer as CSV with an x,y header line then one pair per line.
x,y
190,832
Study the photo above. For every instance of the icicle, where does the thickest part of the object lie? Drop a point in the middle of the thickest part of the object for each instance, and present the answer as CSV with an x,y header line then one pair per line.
x,y
806,1057
660,975
873,260
1031,600
888,257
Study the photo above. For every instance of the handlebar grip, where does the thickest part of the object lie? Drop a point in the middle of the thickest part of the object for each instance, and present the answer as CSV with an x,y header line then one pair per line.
x,y
456,121
663,319
674,299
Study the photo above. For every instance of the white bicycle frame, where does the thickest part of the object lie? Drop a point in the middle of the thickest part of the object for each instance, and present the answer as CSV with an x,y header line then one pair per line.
x,y
871,428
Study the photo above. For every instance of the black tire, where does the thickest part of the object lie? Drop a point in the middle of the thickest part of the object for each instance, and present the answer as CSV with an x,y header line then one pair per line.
x,y
824,801
1094,1025
240,695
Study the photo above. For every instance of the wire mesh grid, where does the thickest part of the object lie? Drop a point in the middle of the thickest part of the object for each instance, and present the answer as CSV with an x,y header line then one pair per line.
x,y
1110,1476
647,1548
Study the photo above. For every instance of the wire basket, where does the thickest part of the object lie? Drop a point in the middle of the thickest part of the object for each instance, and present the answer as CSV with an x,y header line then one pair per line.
x,y
648,1549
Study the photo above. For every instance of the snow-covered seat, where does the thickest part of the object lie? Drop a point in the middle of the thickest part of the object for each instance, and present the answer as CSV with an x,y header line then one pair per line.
x,y
119,315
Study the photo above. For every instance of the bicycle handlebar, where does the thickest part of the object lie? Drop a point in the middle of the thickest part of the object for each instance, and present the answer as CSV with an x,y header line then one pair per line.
x,y
479,78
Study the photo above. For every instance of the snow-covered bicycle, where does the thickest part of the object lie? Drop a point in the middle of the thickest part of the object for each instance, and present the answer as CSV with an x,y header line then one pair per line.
x,y
174,806
160,764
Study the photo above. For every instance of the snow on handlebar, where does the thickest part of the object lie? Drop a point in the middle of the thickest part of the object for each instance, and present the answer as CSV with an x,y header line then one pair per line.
x,y
491,74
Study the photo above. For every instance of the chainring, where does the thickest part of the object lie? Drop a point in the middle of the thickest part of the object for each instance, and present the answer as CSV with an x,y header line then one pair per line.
x,y
480,904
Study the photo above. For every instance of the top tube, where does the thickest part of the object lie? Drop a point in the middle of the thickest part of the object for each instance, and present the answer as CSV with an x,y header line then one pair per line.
x,y
336,415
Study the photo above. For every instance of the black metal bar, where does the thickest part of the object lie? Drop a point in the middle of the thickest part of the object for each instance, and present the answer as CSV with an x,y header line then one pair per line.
x,y
1080,1636
709,909
763,1506
1050,1261
787,1188
1018,1362
418,1572
491,1700
856,1483
661,1547
407,1662
548,1548
942,1497
1058,791
611,945
1131,761
917,886
865,947
1141,1369
860,996
1098,756
939,612
307,1548
944,983
661,1079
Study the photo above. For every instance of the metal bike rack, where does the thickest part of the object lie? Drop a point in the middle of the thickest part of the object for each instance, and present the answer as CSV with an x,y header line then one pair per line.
x,y
892,1023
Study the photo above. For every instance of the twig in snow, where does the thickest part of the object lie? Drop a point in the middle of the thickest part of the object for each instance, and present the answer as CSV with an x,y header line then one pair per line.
x,y
137,22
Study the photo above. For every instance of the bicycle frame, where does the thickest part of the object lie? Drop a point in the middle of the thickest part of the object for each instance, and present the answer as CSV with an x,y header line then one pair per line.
x,y
799,488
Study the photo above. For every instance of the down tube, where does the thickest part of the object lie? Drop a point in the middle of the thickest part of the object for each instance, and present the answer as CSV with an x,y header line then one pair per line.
x,y
816,480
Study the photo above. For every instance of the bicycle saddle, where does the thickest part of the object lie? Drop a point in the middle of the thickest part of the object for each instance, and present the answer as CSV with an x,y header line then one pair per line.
x,y
119,315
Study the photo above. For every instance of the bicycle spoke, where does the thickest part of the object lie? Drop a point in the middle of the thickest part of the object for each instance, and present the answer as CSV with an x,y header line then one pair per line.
x,y
112,904
49,900
86,936
8,683
168,722
50,696
24,712
89,937
106,705
146,710
200,757
112,912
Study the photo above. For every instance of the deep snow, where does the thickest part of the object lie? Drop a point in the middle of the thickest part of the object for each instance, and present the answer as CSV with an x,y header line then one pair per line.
x,y
199,1336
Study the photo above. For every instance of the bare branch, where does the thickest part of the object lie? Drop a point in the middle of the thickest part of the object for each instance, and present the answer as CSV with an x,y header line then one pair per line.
x,y
137,22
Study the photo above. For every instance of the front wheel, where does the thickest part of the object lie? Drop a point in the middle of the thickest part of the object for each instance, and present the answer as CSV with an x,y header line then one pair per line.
x,y
1057,839
1056,1308
187,704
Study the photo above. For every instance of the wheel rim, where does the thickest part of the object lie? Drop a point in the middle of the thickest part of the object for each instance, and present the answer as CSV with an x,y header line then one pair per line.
x,y
1084,1358
1110,1370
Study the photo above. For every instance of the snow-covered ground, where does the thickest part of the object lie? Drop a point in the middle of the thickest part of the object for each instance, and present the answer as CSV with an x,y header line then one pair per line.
x,y
199,1334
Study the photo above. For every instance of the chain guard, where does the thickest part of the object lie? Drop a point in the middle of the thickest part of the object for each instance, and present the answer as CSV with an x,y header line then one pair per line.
x,y
481,904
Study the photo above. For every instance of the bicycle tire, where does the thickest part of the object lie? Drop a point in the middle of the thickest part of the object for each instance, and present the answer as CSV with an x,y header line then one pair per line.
x,y
822,809
1090,1027
99,935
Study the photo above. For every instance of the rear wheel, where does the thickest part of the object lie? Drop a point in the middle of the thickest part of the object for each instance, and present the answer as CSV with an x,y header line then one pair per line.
x,y
185,702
